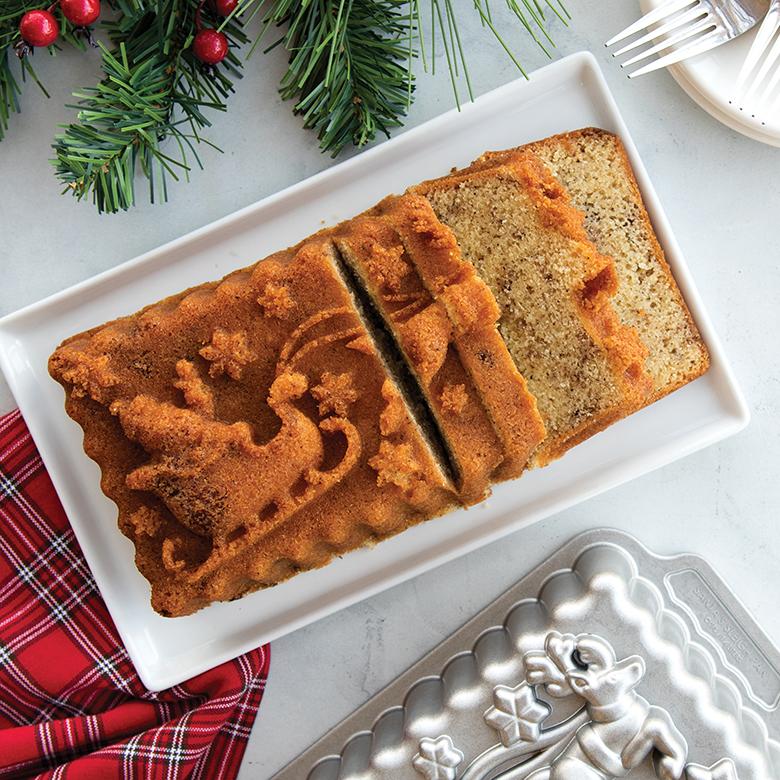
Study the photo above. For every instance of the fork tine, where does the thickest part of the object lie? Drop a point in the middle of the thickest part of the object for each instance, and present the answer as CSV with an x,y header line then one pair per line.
x,y
770,60
760,45
658,14
699,46
684,19
775,103
690,34
773,81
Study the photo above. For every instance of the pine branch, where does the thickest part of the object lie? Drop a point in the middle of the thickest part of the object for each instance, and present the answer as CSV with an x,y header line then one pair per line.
x,y
13,70
154,90
348,66
349,73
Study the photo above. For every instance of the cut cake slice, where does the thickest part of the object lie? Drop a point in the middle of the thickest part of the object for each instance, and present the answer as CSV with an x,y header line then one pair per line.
x,y
593,166
514,223
441,315
249,429
473,311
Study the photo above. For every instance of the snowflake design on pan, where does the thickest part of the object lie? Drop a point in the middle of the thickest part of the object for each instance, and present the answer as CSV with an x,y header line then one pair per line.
x,y
517,714
438,759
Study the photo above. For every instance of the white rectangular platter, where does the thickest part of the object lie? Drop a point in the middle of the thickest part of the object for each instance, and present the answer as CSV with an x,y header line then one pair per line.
x,y
566,95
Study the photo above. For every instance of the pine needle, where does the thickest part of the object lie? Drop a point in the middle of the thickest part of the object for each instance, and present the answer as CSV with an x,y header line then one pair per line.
x,y
154,89
347,69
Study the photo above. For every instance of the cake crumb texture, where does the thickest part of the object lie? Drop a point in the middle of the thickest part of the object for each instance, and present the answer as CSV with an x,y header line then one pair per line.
x,y
593,167
515,224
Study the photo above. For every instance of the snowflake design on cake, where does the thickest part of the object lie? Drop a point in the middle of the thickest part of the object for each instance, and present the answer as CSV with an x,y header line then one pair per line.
x,y
438,759
228,353
454,398
396,464
275,300
335,393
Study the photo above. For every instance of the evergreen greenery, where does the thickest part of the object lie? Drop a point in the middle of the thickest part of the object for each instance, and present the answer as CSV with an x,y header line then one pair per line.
x,y
350,76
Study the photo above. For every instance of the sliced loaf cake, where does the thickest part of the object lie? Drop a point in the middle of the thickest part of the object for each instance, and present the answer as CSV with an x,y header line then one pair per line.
x,y
249,429
513,221
382,372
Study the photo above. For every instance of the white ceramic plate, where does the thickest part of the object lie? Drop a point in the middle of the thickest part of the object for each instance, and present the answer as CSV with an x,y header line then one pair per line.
x,y
709,79
565,95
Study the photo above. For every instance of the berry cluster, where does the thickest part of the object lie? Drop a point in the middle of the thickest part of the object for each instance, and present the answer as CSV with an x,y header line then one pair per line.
x,y
210,46
39,27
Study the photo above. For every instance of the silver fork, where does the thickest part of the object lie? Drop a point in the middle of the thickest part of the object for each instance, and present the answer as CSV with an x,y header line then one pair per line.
x,y
757,81
688,28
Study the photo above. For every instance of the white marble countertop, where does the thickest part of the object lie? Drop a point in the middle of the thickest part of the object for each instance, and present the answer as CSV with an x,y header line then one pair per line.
x,y
721,194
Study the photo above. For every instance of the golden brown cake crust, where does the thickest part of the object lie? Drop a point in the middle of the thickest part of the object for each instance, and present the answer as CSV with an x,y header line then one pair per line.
x,y
471,307
248,430
501,201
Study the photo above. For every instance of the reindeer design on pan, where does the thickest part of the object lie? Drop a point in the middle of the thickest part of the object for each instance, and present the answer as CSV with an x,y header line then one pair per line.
x,y
613,732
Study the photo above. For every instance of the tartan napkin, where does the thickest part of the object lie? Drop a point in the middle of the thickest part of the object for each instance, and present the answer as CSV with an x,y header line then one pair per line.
x,y
71,703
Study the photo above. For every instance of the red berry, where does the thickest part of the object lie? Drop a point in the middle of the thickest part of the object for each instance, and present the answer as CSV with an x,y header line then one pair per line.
x,y
210,46
39,28
80,12
223,7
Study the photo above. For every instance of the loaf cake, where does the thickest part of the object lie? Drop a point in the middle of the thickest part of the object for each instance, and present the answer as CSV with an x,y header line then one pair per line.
x,y
381,372
249,429
513,221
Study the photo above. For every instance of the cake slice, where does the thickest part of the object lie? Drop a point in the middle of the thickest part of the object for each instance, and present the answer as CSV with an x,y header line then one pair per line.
x,y
593,167
438,328
473,311
513,221
249,429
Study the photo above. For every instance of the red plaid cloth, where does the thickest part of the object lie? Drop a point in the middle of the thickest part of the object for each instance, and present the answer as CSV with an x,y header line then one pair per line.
x,y
71,703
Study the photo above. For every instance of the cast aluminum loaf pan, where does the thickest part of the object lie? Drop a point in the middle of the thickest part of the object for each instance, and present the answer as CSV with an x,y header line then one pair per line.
x,y
606,661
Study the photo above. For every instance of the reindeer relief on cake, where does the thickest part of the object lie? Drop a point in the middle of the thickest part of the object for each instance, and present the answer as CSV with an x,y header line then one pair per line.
x,y
612,732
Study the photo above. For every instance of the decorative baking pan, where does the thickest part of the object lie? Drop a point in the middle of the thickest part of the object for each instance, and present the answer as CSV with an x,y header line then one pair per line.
x,y
606,661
